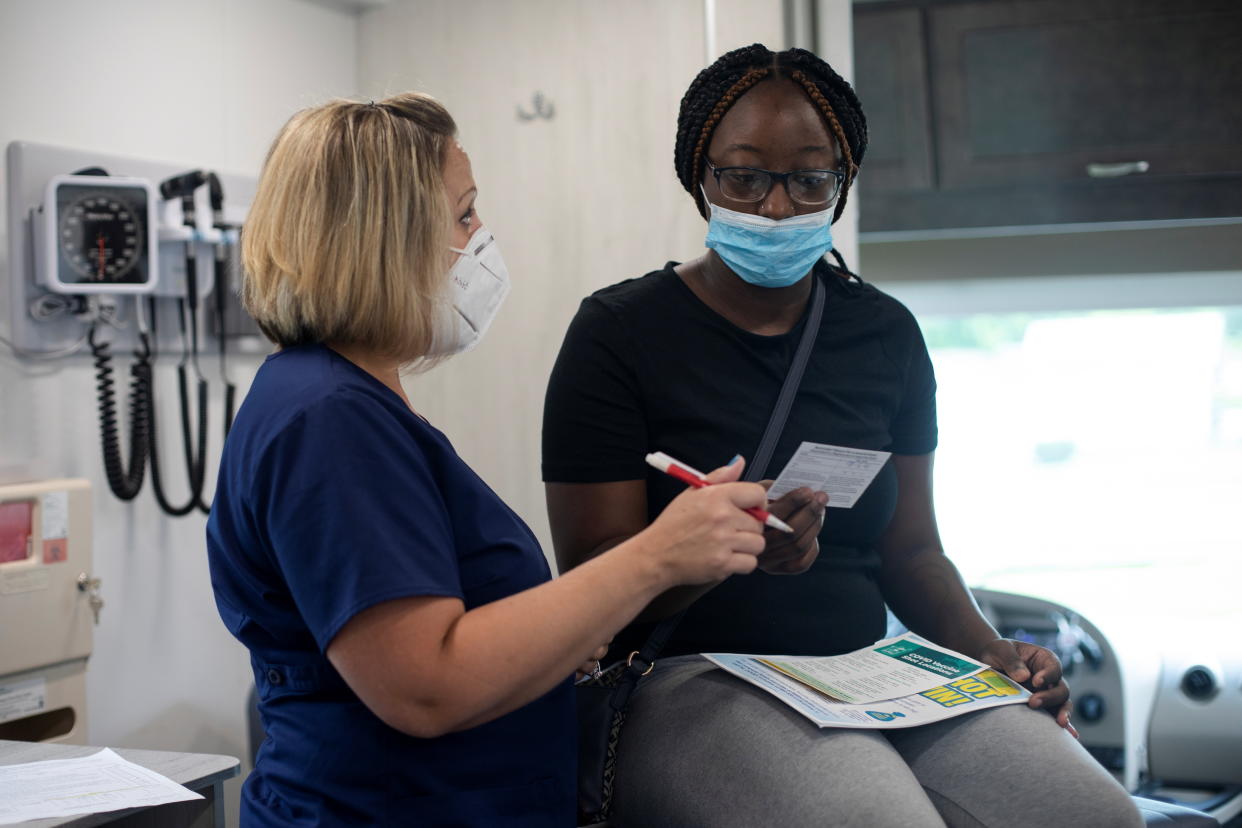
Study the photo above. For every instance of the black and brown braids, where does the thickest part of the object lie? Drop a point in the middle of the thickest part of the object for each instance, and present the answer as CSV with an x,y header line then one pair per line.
x,y
734,92
838,132
719,86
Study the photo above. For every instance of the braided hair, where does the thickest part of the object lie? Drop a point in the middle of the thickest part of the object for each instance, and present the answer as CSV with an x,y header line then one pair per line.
x,y
720,85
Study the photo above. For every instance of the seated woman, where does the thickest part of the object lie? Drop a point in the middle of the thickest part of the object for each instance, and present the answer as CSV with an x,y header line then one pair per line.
x,y
688,360
413,657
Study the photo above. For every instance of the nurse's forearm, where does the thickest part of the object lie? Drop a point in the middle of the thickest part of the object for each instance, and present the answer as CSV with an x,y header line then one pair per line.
x,y
673,601
668,603
428,667
506,654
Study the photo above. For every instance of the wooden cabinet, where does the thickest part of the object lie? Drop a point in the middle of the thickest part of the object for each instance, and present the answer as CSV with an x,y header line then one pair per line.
x,y
1050,111
892,84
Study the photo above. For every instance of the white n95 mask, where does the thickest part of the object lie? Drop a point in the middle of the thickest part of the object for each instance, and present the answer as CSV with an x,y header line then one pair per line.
x,y
478,283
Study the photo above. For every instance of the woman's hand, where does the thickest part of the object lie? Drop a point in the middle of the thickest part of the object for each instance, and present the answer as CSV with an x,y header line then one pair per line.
x,y
803,509
1038,670
703,535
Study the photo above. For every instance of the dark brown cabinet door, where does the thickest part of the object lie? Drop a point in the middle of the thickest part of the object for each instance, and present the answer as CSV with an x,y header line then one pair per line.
x,y
891,73
1074,89
987,113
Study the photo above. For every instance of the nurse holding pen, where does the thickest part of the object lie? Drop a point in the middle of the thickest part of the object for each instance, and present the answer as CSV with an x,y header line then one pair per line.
x,y
695,478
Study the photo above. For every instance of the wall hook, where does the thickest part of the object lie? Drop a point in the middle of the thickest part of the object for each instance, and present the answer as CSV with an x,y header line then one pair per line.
x,y
544,109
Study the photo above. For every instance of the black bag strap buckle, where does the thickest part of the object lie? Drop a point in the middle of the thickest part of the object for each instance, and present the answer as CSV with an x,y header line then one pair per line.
x,y
637,656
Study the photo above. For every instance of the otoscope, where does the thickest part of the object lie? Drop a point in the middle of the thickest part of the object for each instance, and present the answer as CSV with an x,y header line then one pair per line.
x,y
183,186
216,192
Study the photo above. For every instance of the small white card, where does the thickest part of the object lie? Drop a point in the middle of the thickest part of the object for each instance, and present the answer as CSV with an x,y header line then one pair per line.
x,y
844,473
55,515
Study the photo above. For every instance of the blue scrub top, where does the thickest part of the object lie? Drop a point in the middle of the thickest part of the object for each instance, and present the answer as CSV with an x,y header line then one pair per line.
x,y
334,497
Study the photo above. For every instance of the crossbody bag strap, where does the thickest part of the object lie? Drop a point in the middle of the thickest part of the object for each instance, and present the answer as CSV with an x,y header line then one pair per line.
x,y
784,402
643,660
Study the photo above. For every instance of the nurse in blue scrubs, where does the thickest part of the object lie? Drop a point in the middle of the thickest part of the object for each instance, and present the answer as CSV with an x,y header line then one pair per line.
x,y
413,655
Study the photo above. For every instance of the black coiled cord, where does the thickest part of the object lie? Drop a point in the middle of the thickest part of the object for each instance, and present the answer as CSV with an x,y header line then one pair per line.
x,y
215,190
196,467
230,390
197,471
124,483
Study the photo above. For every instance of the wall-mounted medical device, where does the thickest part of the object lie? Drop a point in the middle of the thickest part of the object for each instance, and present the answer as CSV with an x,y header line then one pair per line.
x,y
97,234
116,254
59,280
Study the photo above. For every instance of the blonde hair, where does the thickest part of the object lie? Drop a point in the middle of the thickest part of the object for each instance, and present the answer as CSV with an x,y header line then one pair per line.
x,y
347,240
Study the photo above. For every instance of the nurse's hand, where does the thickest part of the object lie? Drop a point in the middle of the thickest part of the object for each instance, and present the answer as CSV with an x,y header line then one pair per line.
x,y
791,554
704,535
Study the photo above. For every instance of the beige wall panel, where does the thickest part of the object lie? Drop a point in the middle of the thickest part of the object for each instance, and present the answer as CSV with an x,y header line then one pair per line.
x,y
743,22
577,202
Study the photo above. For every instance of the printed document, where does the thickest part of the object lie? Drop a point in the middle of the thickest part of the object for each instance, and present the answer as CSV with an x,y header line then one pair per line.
x,y
844,473
980,691
887,669
91,784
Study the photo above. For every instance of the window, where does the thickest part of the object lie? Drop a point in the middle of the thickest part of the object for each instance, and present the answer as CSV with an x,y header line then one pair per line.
x,y
1093,457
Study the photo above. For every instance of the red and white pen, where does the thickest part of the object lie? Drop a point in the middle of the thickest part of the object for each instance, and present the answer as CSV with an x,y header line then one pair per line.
x,y
695,478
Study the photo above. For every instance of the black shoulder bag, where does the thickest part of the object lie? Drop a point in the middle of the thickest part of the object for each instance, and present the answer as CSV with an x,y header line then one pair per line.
x,y
602,699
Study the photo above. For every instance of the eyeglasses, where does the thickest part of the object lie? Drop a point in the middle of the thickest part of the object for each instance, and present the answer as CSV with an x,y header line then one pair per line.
x,y
811,188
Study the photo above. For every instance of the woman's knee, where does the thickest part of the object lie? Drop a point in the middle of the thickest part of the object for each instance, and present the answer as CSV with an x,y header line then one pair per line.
x,y
1014,766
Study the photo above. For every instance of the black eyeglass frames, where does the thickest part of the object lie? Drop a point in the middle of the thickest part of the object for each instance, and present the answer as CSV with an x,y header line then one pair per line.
x,y
811,188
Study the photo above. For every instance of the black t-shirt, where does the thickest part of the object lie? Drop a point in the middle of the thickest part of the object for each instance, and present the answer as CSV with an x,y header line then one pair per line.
x,y
647,366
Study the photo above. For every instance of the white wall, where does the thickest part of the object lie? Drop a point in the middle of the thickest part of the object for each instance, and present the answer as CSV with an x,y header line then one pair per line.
x,y
204,83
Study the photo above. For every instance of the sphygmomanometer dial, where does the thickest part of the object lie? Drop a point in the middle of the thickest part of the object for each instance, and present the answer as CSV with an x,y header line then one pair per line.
x,y
95,234
101,236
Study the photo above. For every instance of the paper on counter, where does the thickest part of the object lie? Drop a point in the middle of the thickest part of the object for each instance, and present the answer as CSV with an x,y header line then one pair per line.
x,y
844,473
91,784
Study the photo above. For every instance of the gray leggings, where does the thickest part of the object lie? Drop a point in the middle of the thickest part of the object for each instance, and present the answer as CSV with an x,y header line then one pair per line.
x,y
703,748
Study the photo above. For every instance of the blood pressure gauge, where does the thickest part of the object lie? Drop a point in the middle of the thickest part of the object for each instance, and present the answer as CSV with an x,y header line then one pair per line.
x,y
98,235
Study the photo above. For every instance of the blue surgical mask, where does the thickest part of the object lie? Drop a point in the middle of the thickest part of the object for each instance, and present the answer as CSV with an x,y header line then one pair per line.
x,y
769,252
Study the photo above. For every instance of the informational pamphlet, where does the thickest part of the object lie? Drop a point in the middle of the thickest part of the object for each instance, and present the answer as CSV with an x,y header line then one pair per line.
x,y
843,473
887,669
983,690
